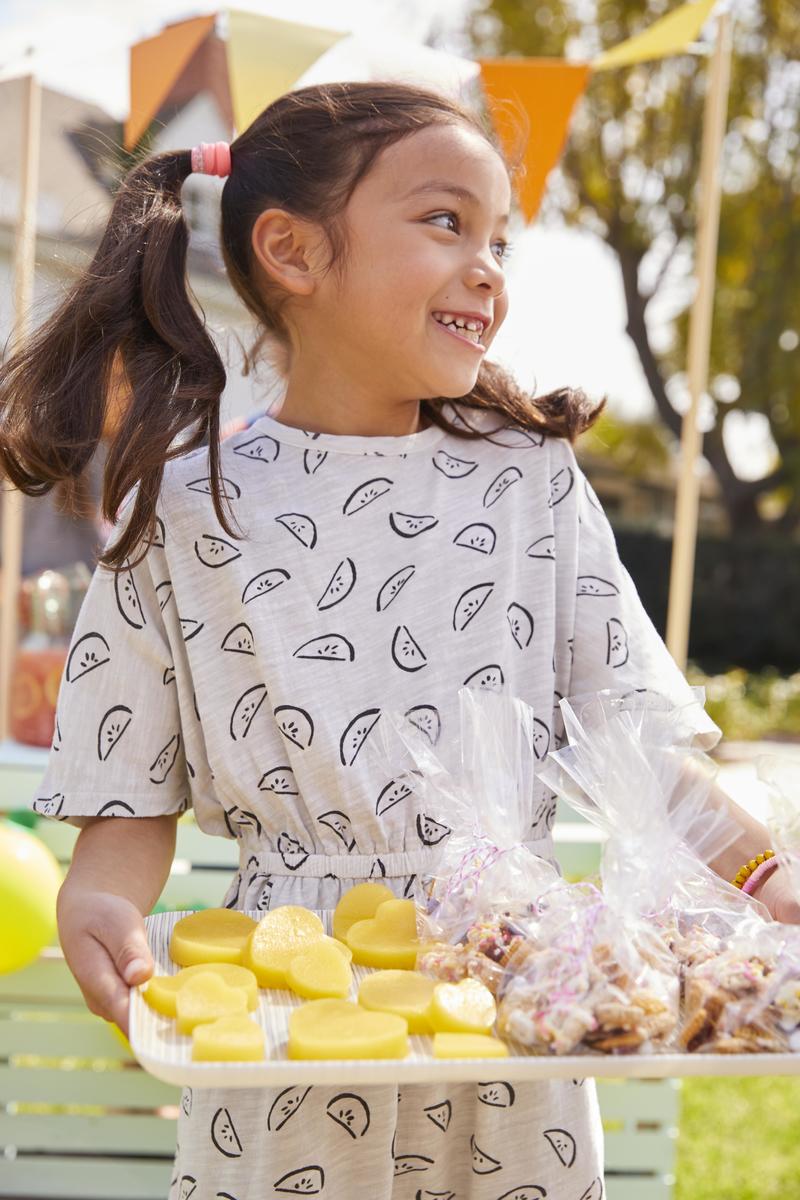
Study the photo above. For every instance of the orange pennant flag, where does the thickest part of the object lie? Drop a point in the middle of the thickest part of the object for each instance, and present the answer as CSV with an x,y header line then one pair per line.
x,y
546,90
156,64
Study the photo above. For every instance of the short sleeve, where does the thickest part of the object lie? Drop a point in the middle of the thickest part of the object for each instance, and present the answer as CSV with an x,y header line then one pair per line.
x,y
118,747
615,644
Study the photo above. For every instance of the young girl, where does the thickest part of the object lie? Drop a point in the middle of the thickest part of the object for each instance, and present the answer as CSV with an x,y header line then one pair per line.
x,y
408,522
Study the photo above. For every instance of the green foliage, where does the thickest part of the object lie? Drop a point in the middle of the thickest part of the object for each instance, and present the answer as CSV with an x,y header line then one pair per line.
x,y
635,447
751,705
629,174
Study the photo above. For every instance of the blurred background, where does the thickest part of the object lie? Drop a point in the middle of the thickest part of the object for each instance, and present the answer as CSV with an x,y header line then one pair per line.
x,y
601,283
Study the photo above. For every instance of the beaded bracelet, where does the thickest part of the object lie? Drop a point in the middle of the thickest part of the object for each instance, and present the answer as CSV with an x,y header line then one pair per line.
x,y
759,875
747,870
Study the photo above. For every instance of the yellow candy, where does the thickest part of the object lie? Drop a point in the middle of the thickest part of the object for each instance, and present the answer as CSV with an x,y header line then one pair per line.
x,y
468,1045
357,904
213,935
162,990
340,1029
406,993
389,939
464,1007
343,949
320,971
229,1039
280,936
205,998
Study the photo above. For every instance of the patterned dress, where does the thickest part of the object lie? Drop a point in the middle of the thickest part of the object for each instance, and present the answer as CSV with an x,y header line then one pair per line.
x,y
245,677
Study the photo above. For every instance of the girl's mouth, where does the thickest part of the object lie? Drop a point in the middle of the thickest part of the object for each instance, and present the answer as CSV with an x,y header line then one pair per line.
x,y
452,332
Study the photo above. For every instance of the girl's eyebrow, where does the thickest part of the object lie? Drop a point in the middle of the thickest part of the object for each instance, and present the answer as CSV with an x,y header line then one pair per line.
x,y
444,185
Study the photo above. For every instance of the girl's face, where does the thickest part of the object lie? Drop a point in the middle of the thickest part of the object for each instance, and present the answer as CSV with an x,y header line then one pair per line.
x,y
426,234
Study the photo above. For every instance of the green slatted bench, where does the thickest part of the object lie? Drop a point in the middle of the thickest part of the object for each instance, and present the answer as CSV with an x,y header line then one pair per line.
x,y
80,1118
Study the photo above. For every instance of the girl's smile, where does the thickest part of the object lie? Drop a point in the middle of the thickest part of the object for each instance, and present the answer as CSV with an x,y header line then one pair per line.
x,y
461,335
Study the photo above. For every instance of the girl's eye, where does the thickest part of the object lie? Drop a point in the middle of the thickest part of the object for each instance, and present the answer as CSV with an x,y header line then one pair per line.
x,y
506,247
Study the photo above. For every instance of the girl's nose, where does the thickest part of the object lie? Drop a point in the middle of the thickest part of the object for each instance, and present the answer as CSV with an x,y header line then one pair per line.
x,y
485,270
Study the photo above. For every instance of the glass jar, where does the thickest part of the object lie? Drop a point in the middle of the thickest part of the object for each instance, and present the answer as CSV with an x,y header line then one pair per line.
x,y
40,660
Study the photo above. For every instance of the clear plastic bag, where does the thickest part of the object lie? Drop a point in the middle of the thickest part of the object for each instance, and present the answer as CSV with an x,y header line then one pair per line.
x,y
588,979
483,882
632,769
742,995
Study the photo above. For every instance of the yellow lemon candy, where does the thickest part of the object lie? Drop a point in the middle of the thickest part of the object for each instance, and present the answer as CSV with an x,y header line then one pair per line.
x,y
389,939
340,1029
406,993
162,990
464,1007
320,971
229,1039
357,904
213,935
280,936
468,1045
205,998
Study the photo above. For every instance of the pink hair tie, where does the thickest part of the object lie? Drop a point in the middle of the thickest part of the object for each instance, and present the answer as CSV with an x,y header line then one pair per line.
x,y
759,875
212,158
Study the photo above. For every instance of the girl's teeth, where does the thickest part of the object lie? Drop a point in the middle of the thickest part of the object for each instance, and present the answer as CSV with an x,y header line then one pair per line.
x,y
470,330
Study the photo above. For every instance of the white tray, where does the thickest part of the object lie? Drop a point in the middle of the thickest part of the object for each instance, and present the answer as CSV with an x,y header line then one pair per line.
x,y
167,1054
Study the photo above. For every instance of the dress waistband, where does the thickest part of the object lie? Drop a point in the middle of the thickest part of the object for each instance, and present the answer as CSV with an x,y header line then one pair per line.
x,y
357,866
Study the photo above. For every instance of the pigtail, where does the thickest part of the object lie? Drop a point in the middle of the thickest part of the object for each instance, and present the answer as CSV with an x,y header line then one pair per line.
x,y
127,356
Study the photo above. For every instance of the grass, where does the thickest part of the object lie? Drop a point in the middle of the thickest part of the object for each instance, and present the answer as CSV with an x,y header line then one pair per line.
x,y
739,1139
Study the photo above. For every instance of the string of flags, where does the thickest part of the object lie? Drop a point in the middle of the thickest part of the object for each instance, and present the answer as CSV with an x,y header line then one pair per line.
x,y
266,56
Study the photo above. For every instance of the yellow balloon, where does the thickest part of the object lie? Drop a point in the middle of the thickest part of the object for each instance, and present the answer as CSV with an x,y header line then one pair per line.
x,y
29,881
120,1036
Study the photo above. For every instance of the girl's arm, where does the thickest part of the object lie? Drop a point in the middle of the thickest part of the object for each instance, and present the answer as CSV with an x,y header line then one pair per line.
x,y
775,891
119,867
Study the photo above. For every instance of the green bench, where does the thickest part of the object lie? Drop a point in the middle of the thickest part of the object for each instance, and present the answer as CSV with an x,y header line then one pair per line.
x,y
80,1118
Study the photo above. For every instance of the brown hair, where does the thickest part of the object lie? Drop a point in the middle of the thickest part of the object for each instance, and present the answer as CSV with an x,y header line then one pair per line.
x,y
129,318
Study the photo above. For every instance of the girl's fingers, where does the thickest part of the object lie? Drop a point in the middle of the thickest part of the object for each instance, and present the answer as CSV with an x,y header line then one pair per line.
x,y
106,994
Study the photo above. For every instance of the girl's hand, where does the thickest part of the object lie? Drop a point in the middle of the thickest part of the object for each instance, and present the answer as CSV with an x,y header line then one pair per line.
x,y
105,945
778,897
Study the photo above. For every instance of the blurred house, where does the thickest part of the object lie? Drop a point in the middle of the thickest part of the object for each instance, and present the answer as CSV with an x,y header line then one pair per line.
x,y
80,164
647,500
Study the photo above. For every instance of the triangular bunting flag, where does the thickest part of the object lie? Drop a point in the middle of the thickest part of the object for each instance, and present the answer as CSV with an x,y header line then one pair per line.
x,y
266,56
547,89
155,65
672,34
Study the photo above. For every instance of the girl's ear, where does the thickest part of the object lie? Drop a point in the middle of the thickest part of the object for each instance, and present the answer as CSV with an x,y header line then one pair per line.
x,y
286,247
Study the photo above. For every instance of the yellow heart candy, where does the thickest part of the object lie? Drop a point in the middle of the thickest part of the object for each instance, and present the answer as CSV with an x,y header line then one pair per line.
x,y
320,971
343,949
280,936
162,990
229,1039
205,998
389,939
464,1007
357,904
406,993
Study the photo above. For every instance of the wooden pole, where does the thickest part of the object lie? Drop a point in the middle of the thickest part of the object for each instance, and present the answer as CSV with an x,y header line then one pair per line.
x,y
688,493
11,499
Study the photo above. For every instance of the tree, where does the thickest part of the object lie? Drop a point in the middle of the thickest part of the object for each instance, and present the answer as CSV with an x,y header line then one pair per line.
x,y
629,174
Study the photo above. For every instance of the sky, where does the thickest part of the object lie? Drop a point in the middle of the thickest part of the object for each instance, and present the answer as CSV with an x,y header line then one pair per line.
x,y
566,322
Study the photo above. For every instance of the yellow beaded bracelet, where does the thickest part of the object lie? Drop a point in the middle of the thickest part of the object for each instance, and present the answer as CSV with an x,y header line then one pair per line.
x,y
747,869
